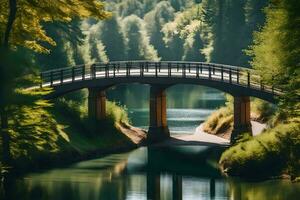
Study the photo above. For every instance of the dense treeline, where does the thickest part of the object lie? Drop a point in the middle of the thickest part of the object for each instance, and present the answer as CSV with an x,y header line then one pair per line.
x,y
275,56
207,30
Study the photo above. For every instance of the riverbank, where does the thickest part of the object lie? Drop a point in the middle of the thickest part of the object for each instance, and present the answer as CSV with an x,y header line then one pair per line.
x,y
272,152
47,134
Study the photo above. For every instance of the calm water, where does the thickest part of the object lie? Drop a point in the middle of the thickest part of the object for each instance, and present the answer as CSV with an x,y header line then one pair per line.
x,y
187,106
151,173
146,173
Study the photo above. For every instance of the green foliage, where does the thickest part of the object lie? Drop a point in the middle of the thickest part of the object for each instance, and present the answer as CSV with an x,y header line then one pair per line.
x,y
270,153
137,41
220,121
42,131
261,110
276,49
28,30
117,113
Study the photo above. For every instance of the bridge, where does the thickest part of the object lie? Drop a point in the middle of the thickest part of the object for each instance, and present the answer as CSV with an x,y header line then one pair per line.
x,y
241,83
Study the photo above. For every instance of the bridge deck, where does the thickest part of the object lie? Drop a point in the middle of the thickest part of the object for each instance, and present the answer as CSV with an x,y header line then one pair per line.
x,y
146,69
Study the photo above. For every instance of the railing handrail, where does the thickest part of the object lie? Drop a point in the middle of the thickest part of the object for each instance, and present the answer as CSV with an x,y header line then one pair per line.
x,y
234,74
148,61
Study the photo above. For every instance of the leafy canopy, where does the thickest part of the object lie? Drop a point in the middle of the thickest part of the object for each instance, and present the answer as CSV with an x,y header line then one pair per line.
x,y
28,30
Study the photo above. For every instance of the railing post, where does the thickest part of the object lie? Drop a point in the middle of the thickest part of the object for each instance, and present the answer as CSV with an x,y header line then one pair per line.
x,y
213,70
238,76
141,65
83,72
106,70
127,71
197,71
169,70
183,70
147,66
209,72
159,66
114,66
156,70
61,76
201,68
261,85
230,75
189,67
248,79
93,71
41,80
51,78
73,74
222,73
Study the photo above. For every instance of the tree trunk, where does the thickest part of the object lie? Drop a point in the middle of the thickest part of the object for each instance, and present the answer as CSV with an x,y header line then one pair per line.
x,y
10,22
3,104
5,137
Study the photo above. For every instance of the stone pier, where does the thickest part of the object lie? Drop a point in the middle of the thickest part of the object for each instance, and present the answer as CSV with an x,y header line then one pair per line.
x,y
241,116
158,129
97,104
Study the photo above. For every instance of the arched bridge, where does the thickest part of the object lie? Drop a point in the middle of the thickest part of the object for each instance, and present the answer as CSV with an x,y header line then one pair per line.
x,y
241,83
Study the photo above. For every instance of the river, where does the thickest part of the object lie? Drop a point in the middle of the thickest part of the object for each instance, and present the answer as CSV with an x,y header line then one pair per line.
x,y
152,173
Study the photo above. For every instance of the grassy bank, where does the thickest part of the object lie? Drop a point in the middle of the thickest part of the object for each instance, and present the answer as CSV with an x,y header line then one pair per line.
x,y
275,152
45,134
220,122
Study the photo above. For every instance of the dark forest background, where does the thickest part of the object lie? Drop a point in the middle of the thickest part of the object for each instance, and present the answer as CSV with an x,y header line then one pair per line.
x,y
192,30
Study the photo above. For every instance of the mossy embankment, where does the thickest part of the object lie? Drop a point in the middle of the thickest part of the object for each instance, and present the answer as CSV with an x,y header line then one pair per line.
x,y
220,122
273,153
51,133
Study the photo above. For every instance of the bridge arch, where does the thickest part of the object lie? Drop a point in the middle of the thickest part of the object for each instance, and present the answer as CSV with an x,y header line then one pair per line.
x,y
239,82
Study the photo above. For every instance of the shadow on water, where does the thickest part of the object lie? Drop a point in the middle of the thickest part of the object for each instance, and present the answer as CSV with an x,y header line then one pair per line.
x,y
146,173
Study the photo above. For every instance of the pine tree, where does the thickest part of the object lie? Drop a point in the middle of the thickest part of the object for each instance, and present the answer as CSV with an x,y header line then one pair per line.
x,y
137,41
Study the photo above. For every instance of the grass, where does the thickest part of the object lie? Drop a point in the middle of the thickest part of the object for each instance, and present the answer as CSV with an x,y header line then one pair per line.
x,y
274,152
221,121
44,133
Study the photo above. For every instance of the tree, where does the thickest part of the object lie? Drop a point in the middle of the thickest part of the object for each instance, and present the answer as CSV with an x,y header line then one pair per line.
x,y
155,20
228,32
112,37
21,27
193,48
275,52
137,41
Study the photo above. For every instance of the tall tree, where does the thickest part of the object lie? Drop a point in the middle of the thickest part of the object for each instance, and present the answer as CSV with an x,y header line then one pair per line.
x,y
21,26
193,48
155,20
112,37
276,52
228,31
137,41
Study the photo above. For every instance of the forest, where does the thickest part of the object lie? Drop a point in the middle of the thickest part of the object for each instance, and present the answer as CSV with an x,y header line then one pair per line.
x,y
35,36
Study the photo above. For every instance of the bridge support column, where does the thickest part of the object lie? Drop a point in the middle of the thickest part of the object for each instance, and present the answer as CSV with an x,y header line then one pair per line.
x,y
97,104
241,112
158,115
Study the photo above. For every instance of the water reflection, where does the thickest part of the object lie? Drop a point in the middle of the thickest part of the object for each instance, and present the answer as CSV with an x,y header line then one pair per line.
x,y
153,173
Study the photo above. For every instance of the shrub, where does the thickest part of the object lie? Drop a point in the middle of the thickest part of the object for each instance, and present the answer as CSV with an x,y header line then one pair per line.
x,y
267,154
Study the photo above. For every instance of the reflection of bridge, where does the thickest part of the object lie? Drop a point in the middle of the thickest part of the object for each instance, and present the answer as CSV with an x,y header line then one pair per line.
x,y
241,83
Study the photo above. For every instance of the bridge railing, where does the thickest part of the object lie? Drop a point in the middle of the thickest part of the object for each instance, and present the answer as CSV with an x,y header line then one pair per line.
x,y
224,73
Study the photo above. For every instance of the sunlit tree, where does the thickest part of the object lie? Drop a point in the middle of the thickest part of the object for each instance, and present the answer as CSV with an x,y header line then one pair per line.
x,y
21,26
